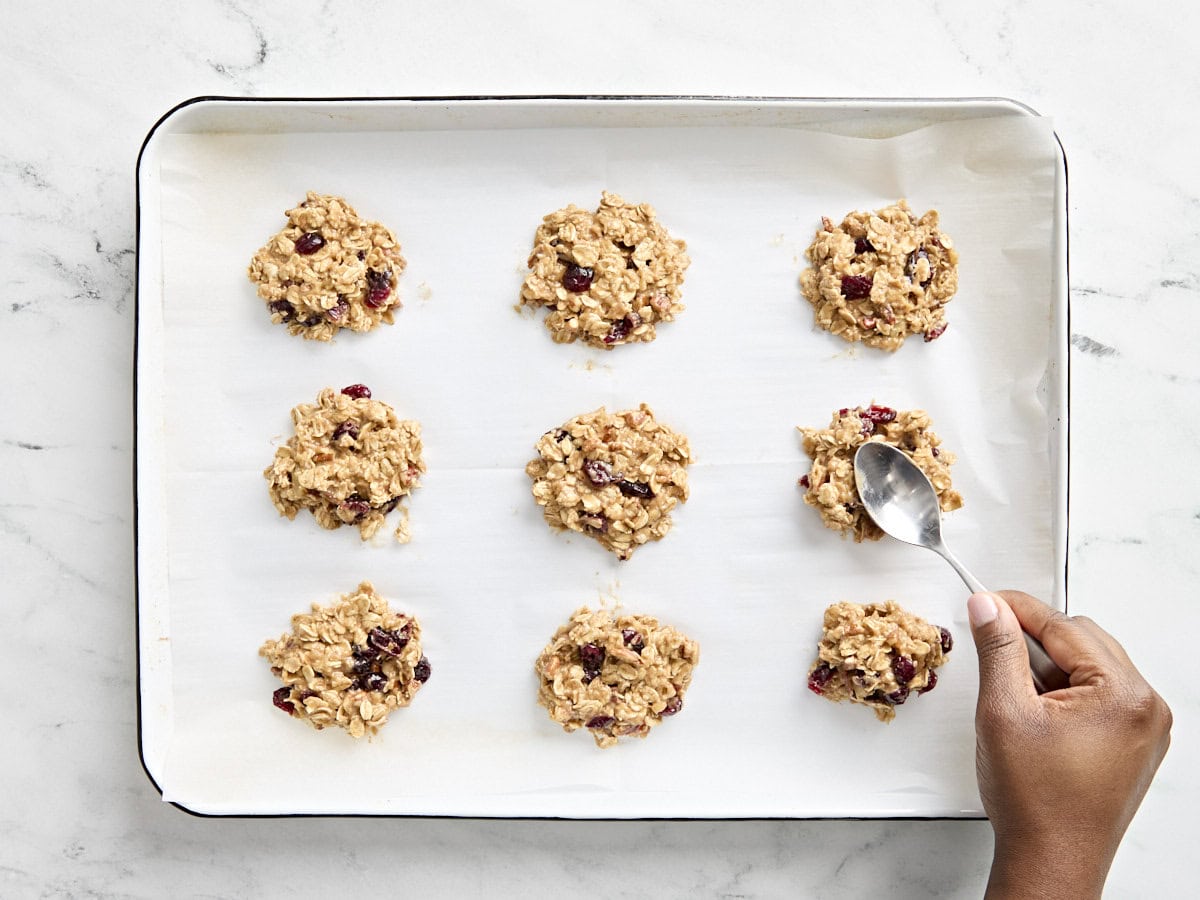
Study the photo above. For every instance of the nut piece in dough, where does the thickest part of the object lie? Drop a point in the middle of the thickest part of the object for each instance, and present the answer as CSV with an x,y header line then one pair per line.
x,y
877,655
615,675
607,277
328,269
612,476
349,664
349,462
881,276
829,484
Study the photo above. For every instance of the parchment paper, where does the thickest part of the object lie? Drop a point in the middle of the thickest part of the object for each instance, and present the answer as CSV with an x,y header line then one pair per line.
x,y
747,570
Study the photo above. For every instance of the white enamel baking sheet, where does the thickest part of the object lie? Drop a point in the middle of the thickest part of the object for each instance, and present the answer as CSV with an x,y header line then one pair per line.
x,y
747,570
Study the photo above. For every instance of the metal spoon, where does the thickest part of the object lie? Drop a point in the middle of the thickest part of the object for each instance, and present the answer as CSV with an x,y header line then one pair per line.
x,y
903,502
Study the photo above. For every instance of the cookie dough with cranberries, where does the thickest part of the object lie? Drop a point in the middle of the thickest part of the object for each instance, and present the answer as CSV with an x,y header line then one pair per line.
x,y
878,655
350,462
615,675
612,476
608,277
328,269
829,485
349,664
881,276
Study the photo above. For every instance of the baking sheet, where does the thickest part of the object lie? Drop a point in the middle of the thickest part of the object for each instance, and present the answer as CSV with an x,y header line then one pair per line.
x,y
748,568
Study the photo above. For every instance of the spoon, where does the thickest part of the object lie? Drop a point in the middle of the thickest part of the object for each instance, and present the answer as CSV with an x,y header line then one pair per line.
x,y
903,502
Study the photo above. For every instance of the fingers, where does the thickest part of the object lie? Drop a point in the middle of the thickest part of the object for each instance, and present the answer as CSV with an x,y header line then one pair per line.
x,y
1077,645
1004,679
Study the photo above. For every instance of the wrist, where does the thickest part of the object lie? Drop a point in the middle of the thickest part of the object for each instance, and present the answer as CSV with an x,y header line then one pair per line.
x,y
1032,869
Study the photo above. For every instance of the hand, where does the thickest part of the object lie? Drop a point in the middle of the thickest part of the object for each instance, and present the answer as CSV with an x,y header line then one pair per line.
x,y
1060,774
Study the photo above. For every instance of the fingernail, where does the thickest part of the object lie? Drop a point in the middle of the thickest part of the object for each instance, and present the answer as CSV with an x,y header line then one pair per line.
x,y
981,609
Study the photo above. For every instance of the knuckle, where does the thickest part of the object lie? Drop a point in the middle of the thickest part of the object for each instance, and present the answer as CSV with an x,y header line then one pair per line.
x,y
1059,626
1145,709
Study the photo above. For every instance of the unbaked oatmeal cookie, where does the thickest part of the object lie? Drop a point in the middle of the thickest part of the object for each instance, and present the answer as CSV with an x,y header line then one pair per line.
x,y
877,655
350,462
612,476
349,664
829,485
615,675
881,276
607,277
328,269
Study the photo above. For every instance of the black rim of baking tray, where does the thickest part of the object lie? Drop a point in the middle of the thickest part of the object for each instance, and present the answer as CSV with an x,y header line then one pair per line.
x,y
881,101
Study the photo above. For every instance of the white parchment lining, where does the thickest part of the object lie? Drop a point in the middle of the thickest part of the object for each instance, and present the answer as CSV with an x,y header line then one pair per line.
x,y
748,568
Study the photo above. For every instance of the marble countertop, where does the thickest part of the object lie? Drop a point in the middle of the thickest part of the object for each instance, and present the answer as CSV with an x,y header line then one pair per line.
x,y
85,82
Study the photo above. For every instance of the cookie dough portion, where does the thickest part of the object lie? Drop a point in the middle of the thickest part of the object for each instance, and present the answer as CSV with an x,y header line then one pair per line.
x,y
350,462
615,675
328,269
349,664
607,277
612,476
881,276
877,655
829,485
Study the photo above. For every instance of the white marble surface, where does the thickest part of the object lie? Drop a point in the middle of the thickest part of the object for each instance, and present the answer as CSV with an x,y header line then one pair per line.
x,y
84,83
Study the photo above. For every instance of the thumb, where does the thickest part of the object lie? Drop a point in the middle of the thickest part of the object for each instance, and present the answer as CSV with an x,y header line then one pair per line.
x,y
1003,660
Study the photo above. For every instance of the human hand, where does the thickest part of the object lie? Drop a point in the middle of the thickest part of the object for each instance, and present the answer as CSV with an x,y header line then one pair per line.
x,y
1062,774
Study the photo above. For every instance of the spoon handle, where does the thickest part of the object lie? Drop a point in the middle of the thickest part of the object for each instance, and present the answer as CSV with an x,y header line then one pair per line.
x,y
1047,676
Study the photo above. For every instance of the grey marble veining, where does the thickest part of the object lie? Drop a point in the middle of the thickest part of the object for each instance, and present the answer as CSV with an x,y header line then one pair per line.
x,y
84,83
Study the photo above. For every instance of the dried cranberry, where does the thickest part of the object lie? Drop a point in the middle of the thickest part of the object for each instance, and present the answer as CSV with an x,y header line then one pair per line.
x,y
362,254
931,684
591,657
390,642
880,415
422,670
360,665
598,472
285,310
577,279
356,505
349,427
936,452
312,321
621,328
339,310
674,705
804,482
357,391
390,505
862,245
819,677
867,427
310,243
379,287
947,640
280,699
897,698
633,640
368,652
910,266
855,287
904,669
844,411
935,332
372,681
600,721
635,489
